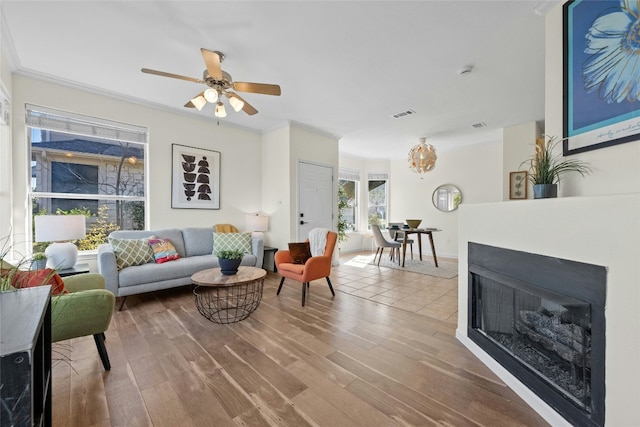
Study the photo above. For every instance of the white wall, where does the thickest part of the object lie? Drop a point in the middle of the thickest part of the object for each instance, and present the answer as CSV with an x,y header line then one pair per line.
x,y
276,179
518,145
476,170
241,152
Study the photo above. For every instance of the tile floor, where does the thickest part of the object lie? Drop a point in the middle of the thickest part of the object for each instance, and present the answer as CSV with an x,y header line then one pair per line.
x,y
426,295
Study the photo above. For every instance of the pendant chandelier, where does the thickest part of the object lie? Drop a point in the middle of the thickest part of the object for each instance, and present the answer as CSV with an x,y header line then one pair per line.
x,y
422,157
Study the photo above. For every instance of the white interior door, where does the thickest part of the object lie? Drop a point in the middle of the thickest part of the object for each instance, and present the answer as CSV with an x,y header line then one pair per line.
x,y
315,195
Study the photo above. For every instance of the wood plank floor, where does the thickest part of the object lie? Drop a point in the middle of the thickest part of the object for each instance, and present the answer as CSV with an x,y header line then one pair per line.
x,y
343,361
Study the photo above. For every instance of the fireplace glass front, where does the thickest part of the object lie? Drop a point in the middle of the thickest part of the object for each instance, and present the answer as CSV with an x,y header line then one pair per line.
x,y
549,334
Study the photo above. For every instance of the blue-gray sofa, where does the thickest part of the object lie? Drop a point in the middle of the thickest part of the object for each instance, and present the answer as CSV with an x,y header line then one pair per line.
x,y
194,245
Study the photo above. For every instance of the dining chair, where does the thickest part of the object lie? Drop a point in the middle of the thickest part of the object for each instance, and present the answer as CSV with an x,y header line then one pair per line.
x,y
382,243
397,235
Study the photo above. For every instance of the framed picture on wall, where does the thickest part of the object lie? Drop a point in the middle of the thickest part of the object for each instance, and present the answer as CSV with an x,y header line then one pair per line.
x,y
195,180
518,187
601,90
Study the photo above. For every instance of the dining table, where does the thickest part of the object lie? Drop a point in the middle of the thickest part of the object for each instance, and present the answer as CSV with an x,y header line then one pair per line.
x,y
419,232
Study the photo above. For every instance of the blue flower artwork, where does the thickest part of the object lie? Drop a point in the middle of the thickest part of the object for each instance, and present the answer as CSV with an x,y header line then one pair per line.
x,y
601,73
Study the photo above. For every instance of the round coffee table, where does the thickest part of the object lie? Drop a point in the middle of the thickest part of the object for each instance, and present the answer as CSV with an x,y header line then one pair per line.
x,y
227,299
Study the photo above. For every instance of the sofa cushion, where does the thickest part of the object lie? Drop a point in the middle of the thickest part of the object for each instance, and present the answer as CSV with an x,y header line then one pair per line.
x,y
29,279
155,273
300,252
163,250
131,252
232,242
198,240
172,234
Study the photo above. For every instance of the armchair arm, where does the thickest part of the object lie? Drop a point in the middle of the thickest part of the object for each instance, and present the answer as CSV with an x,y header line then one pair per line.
x,y
282,256
108,268
83,282
81,313
317,267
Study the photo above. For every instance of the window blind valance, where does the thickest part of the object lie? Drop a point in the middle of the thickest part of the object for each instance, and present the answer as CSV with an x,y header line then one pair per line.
x,y
378,175
349,174
78,124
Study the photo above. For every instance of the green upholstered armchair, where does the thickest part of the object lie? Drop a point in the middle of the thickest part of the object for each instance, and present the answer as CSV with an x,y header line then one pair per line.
x,y
85,310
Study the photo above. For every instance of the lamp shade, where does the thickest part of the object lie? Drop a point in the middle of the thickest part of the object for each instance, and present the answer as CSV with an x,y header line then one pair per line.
x,y
57,228
255,222
220,111
60,228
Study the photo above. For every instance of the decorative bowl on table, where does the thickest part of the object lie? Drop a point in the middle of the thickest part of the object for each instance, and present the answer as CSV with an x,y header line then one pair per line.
x,y
413,223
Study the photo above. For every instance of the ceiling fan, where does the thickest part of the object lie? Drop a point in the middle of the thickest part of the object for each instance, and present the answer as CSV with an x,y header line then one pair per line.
x,y
219,83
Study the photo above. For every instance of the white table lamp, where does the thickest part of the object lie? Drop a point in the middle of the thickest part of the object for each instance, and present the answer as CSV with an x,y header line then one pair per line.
x,y
257,223
60,229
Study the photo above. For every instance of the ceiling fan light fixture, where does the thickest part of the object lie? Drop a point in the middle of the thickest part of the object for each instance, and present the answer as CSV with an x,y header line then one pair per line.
x,y
220,111
199,102
211,95
236,103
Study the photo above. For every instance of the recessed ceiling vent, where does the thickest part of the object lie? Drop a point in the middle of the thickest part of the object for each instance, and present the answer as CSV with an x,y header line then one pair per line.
x,y
479,125
403,114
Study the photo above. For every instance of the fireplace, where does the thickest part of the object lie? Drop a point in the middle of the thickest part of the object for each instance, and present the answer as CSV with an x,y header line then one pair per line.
x,y
542,319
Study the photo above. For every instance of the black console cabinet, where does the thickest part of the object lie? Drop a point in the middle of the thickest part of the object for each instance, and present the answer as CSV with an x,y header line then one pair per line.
x,y
25,357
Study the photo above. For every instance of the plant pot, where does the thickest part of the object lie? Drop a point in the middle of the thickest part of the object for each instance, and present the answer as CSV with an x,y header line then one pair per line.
x,y
229,266
545,191
38,264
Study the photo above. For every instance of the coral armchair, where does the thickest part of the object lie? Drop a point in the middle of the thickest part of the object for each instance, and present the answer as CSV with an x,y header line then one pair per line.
x,y
314,268
85,310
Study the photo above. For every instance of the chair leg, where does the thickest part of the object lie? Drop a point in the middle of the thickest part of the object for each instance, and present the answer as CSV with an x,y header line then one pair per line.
x,y
122,303
304,292
330,287
280,287
102,350
380,257
377,253
411,246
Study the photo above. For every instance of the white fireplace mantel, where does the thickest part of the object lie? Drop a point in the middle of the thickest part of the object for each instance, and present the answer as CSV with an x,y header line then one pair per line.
x,y
596,230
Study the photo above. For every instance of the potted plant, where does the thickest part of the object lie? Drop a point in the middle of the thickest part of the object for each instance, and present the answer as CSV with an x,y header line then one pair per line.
x,y
38,261
546,168
343,203
229,261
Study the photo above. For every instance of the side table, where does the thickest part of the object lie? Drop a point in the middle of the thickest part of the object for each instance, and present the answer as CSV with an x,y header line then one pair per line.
x,y
76,269
269,261
228,298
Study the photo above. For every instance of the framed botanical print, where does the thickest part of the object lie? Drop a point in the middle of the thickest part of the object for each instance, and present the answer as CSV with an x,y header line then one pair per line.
x,y
195,182
518,185
600,76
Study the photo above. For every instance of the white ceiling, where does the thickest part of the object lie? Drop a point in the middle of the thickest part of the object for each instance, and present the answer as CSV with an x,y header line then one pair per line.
x,y
345,67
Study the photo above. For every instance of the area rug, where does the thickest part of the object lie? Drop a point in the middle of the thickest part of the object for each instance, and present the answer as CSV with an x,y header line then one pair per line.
x,y
445,270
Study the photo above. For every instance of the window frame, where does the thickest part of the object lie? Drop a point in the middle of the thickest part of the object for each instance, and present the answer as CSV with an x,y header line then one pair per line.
x,y
87,129
378,176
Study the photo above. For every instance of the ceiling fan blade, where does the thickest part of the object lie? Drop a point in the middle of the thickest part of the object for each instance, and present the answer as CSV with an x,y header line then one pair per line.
x,y
212,60
173,76
247,108
263,88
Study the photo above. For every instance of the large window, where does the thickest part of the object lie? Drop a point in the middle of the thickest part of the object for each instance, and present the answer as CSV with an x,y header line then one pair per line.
x,y
377,209
348,182
88,166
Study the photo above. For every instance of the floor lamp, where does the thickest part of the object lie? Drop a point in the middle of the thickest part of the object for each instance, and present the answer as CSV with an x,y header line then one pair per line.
x,y
59,229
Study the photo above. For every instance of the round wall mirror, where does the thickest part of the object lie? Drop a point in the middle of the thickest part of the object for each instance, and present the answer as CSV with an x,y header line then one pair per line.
x,y
447,197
